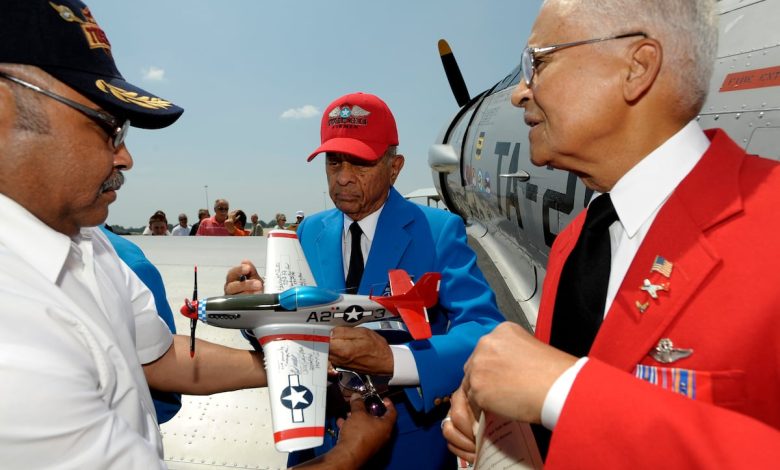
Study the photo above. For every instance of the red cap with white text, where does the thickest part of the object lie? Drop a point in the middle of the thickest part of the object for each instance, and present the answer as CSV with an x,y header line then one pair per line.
x,y
358,124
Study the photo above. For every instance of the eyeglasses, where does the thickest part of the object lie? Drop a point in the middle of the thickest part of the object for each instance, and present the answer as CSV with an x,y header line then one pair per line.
x,y
116,129
362,384
528,58
221,208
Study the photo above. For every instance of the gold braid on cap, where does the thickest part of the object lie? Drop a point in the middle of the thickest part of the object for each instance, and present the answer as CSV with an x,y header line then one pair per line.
x,y
132,97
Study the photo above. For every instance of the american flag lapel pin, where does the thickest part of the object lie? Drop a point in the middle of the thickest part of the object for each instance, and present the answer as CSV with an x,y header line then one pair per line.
x,y
662,266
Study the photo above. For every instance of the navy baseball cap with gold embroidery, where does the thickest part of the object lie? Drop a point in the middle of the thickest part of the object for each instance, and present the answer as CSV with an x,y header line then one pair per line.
x,y
62,38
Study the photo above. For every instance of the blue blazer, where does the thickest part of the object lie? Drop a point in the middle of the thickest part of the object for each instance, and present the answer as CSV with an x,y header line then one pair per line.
x,y
417,239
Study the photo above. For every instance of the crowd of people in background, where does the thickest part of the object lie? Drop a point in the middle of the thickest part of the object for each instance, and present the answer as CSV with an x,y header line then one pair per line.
x,y
224,222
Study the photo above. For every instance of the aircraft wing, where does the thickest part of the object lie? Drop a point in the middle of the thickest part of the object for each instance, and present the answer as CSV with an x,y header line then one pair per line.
x,y
296,364
286,266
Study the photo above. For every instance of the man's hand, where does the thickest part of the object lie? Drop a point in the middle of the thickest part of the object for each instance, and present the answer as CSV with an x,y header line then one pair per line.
x,y
252,283
459,430
510,372
361,350
361,436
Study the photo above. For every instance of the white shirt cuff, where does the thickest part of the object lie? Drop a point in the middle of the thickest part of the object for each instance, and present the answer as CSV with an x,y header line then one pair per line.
x,y
556,396
404,366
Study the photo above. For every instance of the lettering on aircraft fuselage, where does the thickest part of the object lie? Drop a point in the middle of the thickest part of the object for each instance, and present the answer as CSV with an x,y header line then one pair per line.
x,y
328,316
552,200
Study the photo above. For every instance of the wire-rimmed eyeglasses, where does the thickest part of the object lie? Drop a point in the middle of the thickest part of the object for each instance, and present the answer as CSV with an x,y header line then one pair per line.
x,y
528,58
116,129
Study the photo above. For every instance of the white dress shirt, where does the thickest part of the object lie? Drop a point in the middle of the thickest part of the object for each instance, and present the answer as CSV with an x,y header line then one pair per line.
x,y
404,366
638,197
179,231
77,325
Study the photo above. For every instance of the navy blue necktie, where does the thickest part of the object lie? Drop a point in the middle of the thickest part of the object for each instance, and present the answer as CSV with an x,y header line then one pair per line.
x,y
355,272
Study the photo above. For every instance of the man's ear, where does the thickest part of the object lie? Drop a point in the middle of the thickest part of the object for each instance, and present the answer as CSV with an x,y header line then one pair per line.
x,y
645,63
395,167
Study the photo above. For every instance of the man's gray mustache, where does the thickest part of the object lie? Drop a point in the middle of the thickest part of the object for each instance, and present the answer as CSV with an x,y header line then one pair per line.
x,y
113,183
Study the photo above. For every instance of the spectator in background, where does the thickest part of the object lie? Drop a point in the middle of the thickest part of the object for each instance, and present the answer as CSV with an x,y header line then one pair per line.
x,y
182,229
202,214
158,224
215,225
298,220
236,222
257,229
281,222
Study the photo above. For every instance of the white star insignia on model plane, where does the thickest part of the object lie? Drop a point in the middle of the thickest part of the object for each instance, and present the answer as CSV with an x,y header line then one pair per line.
x,y
295,397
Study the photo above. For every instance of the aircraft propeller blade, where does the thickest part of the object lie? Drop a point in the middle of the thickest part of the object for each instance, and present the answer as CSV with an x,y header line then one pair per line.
x,y
454,76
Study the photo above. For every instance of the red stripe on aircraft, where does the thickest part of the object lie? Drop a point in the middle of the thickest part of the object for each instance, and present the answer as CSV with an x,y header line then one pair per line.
x,y
282,235
315,338
314,431
759,78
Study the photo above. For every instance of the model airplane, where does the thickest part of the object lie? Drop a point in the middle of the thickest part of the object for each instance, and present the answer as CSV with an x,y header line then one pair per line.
x,y
514,210
293,327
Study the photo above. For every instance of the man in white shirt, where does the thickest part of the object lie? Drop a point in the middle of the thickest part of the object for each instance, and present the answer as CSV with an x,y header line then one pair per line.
x,y
181,230
81,340
611,90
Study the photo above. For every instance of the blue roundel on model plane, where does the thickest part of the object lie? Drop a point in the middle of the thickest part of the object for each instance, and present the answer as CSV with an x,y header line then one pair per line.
x,y
306,296
296,397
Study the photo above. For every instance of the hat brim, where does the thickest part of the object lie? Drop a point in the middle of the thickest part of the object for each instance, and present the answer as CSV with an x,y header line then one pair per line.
x,y
360,149
116,96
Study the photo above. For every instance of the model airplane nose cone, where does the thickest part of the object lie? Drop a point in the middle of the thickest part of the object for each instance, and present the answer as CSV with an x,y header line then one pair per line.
x,y
189,309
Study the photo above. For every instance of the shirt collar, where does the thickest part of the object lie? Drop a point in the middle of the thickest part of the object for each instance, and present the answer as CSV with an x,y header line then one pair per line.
x,y
40,246
367,223
644,189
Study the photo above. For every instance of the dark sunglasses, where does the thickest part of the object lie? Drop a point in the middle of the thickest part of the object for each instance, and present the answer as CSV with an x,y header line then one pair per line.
x,y
116,129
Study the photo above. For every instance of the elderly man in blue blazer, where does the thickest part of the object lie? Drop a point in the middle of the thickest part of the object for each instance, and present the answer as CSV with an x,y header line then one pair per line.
x,y
374,229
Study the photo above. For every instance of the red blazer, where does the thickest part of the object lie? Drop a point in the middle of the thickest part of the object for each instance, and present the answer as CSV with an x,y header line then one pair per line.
x,y
721,231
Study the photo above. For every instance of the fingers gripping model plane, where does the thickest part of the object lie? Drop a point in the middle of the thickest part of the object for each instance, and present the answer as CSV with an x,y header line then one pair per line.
x,y
293,323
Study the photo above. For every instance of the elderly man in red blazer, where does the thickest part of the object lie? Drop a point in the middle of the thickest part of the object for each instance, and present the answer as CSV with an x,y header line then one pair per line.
x,y
683,369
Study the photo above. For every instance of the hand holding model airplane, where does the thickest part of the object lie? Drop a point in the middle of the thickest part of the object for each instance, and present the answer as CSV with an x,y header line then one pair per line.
x,y
293,320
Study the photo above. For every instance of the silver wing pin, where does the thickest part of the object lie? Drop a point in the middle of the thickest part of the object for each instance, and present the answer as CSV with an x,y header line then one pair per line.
x,y
666,353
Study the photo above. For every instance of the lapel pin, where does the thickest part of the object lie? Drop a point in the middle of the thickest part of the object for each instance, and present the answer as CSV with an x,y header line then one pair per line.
x,y
666,353
662,266
653,289
642,306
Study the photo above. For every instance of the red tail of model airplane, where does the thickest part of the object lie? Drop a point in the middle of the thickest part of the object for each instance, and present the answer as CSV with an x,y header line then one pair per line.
x,y
411,301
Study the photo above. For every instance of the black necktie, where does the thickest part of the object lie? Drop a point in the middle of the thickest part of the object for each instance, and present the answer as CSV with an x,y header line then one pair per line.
x,y
355,272
582,291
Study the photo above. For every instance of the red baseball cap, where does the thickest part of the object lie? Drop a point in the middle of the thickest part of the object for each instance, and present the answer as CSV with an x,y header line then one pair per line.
x,y
358,124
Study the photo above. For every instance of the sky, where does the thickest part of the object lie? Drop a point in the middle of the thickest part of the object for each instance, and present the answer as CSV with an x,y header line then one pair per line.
x,y
254,78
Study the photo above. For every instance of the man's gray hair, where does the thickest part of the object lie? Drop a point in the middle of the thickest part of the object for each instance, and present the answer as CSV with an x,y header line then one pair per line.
x,y
30,114
687,30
